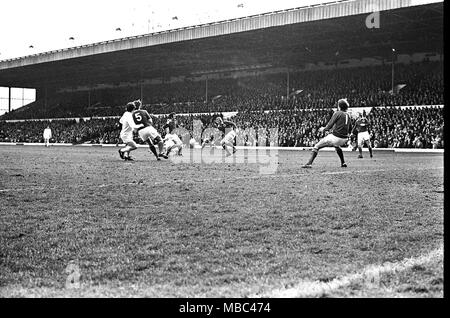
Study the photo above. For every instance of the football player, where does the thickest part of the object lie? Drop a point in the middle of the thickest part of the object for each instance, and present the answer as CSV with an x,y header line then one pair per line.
x,y
229,129
126,134
147,132
47,136
341,124
208,141
171,142
362,126
171,138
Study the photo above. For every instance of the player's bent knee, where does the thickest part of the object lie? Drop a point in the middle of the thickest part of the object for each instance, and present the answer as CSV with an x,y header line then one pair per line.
x,y
132,145
157,139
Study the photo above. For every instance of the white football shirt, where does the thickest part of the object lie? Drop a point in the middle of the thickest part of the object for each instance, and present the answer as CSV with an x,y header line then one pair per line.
x,y
47,133
128,123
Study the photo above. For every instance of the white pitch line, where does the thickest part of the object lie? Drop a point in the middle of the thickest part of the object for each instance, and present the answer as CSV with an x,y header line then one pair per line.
x,y
378,170
369,276
24,189
259,176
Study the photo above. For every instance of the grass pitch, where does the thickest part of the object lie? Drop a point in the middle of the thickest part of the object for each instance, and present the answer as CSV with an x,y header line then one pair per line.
x,y
221,229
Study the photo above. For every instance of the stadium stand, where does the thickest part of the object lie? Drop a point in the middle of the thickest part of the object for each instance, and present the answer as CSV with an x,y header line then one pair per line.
x,y
255,67
363,86
416,127
408,128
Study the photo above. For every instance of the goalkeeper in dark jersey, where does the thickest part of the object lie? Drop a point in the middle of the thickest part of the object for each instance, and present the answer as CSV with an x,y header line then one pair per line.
x,y
341,124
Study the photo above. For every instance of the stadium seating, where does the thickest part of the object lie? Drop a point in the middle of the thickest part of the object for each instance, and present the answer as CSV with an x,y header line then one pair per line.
x,y
391,128
363,86
261,104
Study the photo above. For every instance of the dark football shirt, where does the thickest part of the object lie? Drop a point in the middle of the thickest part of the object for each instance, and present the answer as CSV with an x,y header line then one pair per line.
x,y
226,126
171,125
141,116
341,124
362,124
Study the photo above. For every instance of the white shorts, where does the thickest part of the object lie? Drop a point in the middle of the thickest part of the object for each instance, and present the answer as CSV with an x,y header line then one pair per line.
x,y
174,138
362,137
127,137
229,138
169,143
148,133
330,140
177,140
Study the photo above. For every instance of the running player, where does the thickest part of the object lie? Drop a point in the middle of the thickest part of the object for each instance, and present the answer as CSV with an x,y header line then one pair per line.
x,y
362,126
126,134
341,124
229,129
147,132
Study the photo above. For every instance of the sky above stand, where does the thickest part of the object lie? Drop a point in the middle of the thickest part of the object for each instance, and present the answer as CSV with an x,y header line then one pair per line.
x,y
34,26
29,26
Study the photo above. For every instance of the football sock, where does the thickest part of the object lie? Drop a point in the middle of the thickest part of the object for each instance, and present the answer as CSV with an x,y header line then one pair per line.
x,y
313,156
360,151
153,149
370,151
340,154
161,147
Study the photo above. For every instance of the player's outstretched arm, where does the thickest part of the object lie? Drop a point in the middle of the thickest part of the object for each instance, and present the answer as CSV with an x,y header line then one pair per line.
x,y
148,114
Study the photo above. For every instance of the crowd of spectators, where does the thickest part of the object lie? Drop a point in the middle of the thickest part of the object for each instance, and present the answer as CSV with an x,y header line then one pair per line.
x,y
265,114
362,86
63,131
407,128
416,127
390,127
